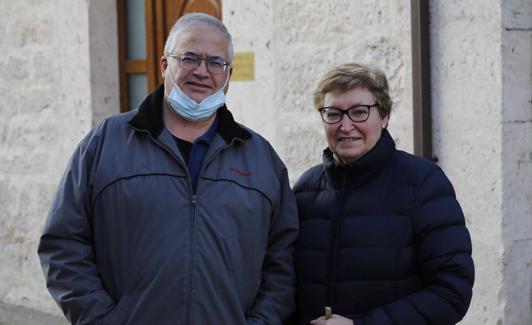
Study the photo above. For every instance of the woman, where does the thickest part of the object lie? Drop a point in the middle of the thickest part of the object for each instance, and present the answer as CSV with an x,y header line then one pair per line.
x,y
382,237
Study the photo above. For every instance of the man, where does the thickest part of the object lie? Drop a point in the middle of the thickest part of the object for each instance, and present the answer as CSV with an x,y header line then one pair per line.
x,y
174,213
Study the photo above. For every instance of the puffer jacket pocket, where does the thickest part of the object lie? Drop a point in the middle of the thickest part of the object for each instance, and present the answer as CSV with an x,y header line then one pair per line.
x,y
118,315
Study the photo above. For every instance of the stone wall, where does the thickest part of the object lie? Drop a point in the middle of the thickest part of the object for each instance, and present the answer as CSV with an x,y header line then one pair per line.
x,y
516,51
467,127
45,109
103,45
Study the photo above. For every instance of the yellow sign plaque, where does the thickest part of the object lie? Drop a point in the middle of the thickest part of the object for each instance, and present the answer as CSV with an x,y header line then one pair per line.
x,y
243,66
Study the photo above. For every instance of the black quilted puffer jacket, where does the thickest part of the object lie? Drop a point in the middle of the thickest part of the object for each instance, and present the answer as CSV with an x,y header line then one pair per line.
x,y
382,241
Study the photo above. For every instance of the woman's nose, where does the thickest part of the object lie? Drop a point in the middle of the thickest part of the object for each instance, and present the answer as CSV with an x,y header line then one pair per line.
x,y
346,124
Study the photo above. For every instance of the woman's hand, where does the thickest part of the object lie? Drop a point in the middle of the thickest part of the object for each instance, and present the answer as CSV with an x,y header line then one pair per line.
x,y
334,320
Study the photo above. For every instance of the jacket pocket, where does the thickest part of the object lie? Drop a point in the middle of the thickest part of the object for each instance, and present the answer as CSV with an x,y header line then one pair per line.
x,y
118,315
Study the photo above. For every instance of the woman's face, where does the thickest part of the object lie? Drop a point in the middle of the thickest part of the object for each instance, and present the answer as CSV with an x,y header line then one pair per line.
x,y
350,140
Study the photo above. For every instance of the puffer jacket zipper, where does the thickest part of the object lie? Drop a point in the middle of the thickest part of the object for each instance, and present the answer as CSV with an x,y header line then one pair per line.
x,y
335,238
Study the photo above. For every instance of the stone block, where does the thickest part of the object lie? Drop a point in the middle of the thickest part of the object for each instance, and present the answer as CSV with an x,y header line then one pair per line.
x,y
518,282
517,181
15,69
517,14
32,32
517,76
303,146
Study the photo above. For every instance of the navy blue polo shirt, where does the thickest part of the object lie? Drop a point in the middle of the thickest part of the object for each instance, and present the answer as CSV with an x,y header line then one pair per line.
x,y
194,153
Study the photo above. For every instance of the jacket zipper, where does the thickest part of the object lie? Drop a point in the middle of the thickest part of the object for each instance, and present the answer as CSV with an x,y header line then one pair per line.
x,y
206,161
191,259
192,221
335,232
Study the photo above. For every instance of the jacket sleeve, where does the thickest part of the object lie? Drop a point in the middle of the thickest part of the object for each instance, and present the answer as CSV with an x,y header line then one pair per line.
x,y
443,251
66,246
276,299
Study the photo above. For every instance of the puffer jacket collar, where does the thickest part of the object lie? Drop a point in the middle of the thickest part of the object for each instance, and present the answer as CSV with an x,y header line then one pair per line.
x,y
149,117
344,178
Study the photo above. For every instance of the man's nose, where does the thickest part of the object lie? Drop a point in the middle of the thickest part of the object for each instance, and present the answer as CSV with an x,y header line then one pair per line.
x,y
202,68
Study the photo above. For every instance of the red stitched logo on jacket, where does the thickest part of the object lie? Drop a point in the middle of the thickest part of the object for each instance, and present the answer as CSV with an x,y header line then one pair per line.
x,y
234,170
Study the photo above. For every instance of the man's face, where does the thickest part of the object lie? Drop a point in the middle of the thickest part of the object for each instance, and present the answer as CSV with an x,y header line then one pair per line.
x,y
197,83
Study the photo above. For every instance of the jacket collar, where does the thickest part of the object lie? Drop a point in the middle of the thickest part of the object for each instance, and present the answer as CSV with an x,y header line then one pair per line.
x,y
149,118
346,177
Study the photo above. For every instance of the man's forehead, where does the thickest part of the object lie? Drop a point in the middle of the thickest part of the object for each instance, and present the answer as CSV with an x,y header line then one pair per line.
x,y
201,34
203,41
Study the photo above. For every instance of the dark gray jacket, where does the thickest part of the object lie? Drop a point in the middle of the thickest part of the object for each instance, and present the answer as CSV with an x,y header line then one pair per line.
x,y
128,242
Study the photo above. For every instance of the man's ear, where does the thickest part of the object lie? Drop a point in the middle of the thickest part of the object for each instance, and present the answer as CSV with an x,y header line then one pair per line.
x,y
164,65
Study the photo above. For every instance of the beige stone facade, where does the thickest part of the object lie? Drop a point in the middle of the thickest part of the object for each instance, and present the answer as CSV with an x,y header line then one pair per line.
x,y
59,77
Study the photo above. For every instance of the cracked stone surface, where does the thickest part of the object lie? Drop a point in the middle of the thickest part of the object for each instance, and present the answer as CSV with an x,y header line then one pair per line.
x,y
15,315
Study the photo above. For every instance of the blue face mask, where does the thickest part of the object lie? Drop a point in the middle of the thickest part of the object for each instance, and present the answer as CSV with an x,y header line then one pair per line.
x,y
191,110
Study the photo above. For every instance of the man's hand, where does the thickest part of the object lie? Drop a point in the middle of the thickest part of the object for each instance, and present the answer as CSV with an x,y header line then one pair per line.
x,y
334,320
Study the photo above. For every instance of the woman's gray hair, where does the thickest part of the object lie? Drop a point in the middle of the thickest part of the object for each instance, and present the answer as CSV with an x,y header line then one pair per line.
x,y
194,20
353,75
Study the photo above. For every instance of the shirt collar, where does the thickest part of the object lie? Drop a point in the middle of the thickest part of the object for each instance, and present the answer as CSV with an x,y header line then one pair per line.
x,y
208,136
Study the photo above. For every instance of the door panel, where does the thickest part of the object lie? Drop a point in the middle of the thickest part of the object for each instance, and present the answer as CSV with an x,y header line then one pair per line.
x,y
211,7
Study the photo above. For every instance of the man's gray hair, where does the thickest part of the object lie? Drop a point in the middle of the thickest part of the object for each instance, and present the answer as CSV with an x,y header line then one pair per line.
x,y
194,20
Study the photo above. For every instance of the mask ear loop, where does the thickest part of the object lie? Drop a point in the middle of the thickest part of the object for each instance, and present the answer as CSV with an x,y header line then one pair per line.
x,y
170,71
226,80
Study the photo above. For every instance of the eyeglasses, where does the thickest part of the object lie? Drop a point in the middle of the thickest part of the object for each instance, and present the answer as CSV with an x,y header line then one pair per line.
x,y
357,113
192,61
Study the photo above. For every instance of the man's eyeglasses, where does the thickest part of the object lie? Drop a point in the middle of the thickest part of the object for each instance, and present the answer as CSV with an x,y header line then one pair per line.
x,y
191,61
358,113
